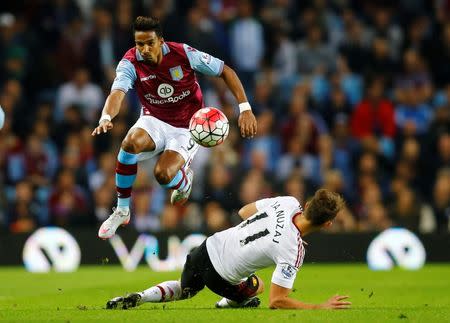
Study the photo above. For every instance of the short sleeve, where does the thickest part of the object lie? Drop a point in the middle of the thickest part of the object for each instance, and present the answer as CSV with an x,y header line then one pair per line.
x,y
125,76
263,203
284,275
202,62
291,201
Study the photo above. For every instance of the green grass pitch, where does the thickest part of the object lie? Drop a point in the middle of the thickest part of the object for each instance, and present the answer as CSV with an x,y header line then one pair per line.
x,y
395,296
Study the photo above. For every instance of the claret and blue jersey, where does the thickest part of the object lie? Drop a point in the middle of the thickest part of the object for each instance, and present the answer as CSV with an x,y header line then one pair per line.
x,y
168,91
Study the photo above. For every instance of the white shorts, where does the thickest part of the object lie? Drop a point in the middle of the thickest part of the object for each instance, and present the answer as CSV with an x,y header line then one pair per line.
x,y
166,137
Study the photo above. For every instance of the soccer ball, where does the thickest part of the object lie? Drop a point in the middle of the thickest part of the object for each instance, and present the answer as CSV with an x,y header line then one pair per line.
x,y
209,127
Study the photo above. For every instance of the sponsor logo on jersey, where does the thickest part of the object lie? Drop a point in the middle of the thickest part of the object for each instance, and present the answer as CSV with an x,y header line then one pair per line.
x,y
206,58
165,90
176,73
173,99
287,271
150,77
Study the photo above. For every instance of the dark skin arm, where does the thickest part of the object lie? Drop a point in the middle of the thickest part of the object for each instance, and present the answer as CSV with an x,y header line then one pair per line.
x,y
247,121
112,107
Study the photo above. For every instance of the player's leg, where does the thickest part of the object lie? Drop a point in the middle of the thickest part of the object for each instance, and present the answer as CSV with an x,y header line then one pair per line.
x,y
136,141
190,284
171,173
163,292
168,169
192,278
172,169
242,295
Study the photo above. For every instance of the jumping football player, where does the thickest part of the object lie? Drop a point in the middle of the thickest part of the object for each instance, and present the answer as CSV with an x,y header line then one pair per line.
x,y
271,233
163,74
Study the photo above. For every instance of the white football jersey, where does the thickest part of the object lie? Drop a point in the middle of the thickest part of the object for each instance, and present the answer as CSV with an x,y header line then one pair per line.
x,y
267,237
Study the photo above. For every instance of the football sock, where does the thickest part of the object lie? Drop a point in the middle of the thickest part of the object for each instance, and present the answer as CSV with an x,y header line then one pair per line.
x,y
164,292
126,170
180,181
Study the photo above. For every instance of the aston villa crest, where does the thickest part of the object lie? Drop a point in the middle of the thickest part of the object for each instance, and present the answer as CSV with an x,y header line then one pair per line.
x,y
176,73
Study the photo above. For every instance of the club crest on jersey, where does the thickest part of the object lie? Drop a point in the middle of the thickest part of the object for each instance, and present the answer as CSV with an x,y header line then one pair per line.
x,y
176,73
287,271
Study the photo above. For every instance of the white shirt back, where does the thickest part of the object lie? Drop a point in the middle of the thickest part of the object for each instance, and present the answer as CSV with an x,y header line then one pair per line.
x,y
268,237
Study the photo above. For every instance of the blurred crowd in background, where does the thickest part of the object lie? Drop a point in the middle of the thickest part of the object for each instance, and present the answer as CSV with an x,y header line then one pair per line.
x,y
349,95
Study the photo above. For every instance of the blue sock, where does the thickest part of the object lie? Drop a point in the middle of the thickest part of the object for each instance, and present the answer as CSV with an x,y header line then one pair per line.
x,y
125,176
179,182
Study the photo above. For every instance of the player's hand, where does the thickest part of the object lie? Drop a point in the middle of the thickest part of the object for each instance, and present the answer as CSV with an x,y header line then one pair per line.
x,y
247,124
336,303
103,127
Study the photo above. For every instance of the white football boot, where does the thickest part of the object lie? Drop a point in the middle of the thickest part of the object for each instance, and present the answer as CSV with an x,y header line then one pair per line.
x,y
227,303
180,197
110,225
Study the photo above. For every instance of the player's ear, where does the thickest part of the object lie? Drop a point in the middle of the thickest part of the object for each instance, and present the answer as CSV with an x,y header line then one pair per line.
x,y
327,224
161,41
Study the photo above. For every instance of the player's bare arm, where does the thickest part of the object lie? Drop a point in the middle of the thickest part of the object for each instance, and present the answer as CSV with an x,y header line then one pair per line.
x,y
110,110
247,211
247,121
279,299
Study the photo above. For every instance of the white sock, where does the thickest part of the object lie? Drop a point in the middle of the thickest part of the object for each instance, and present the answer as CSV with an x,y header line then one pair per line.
x,y
187,187
164,292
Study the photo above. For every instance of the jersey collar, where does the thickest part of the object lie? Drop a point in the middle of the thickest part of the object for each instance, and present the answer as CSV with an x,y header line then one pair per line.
x,y
165,51
139,56
293,222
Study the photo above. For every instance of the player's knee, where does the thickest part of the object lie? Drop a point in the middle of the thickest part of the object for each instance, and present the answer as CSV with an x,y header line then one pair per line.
x,y
130,146
188,293
137,141
162,174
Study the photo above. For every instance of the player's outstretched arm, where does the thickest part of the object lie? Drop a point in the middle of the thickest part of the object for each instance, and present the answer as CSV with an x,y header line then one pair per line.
x,y
252,208
247,121
279,299
110,110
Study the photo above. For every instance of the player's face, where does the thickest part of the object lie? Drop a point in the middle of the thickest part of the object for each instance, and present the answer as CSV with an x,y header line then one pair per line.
x,y
149,46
